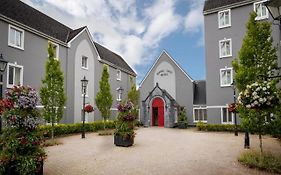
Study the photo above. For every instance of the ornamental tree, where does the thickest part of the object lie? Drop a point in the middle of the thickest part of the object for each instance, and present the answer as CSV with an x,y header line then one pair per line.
x,y
104,98
256,63
52,91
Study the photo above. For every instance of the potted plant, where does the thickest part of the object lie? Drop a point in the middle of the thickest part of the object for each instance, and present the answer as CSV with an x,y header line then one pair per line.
x,y
21,150
182,121
124,132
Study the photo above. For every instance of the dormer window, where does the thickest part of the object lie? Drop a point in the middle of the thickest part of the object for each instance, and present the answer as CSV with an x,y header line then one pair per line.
x,y
118,75
224,18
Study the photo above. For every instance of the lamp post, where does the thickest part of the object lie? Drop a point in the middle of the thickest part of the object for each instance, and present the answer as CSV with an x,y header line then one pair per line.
x,y
84,83
3,65
235,116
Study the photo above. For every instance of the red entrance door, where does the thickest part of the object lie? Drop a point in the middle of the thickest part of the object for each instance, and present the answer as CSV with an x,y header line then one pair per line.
x,y
157,112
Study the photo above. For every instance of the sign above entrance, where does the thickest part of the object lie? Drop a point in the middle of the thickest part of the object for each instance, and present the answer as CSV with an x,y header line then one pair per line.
x,y
163,72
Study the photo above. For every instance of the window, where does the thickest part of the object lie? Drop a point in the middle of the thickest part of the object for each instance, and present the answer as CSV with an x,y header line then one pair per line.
x,y
225,48
16,37
226,77
84,62
119,94
118,75
85,90
200,114
226,116
224,18
56,50
261,10
14,75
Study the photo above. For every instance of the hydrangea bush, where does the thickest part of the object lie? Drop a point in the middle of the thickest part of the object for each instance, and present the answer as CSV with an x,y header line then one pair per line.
x,y
259,95
126,119
21,142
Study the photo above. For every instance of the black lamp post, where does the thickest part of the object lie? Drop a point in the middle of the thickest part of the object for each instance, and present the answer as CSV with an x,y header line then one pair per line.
x,y
235,116
84,83
3,65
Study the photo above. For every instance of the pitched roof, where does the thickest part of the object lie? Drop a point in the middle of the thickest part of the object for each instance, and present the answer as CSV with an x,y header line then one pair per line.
x,y
174,61
113,58
24,14
212,4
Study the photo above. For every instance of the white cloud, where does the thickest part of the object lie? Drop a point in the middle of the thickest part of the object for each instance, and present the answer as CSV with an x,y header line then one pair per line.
x,y
194,20
118,24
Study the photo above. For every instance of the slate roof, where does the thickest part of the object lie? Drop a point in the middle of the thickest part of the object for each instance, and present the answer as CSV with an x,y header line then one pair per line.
x,y
199,92
24,14
113,58
212,4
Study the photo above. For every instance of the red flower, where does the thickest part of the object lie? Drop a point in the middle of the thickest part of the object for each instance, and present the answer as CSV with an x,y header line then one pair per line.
x,y
232,107
88,108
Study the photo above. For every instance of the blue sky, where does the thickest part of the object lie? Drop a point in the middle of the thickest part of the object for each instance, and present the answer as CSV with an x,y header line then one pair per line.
x,y
138,30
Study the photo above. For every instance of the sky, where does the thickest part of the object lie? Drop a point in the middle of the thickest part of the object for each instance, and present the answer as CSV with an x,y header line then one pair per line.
x,y
138,30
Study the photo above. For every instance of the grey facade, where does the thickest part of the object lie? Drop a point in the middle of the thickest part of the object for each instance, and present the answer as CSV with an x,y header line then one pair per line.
x,y
27,59
168,81
219,95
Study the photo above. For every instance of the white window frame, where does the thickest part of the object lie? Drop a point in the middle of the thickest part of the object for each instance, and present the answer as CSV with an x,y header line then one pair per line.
x,y
231,76
118,95
232,116
8,72
267,13
118,78
230,47
87,62
199,108
219,23
9,37
57,50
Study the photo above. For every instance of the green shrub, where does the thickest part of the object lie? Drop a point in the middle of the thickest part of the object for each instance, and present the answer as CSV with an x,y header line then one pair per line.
x,y
217,127
64,129
264,161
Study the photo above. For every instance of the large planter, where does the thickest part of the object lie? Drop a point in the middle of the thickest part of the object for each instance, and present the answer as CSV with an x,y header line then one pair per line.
x,y
182,125
11,169
123,141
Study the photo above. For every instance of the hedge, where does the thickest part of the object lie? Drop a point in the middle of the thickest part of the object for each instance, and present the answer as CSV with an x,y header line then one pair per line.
x,y
217,127
64,129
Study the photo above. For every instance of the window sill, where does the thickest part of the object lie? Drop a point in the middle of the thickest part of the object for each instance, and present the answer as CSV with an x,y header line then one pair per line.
x,y
199,121
226,56
16,47
118,79
226,26
261,18
85,68
225,86
119,100
85,96
227,123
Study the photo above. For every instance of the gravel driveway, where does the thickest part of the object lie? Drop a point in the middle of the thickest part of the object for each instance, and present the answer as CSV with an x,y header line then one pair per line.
x,y
156,151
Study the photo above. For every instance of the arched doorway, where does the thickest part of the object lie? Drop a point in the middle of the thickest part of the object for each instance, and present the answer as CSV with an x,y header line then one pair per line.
x,y
157,112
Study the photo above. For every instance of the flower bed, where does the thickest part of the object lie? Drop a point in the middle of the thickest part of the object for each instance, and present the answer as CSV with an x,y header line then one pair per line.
x,y
217,127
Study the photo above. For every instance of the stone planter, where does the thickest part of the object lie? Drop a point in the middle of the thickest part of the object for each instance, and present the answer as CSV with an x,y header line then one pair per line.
x,y
123,141
182,125
11,169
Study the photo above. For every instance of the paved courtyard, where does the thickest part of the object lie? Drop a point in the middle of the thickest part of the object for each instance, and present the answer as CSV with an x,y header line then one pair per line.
x,y
156,151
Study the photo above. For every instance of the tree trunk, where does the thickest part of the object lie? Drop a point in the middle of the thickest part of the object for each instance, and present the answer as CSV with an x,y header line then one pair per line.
x,y
103,124
260,137
52,136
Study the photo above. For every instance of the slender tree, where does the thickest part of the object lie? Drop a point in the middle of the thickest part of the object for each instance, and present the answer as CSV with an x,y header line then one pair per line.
x,y
104,98
52,91
257,62
133,95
